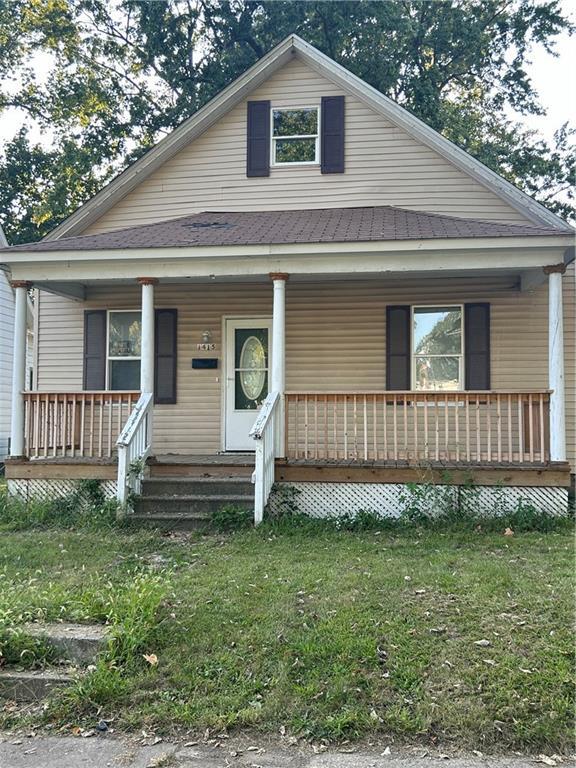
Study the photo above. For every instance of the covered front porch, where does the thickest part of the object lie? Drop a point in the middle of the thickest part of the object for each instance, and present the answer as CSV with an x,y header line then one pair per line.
x,y
350,388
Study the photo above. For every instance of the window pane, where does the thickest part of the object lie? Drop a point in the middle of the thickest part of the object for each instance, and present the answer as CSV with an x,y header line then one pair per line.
x,y
251,389
124,375
438,330
125,333
295,151
295,122
439,373
251,347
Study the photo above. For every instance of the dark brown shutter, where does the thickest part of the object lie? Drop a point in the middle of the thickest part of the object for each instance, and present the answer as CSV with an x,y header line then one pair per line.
x,y
258,139
477,345
332,138
94,349
165,333
398,347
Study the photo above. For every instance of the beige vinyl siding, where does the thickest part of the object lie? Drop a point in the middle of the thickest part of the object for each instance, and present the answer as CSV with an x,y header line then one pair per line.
x,y
335,340
384,166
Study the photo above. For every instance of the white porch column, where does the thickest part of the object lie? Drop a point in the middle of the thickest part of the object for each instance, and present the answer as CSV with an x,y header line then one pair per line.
x,y
556,363
147,351
278,378
19,368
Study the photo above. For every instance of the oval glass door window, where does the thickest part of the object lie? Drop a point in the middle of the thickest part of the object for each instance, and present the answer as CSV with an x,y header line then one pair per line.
x,y
252,370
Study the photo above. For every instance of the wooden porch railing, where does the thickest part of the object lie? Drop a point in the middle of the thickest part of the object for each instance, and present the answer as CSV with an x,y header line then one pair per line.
x,y
75,424
264,433
473,427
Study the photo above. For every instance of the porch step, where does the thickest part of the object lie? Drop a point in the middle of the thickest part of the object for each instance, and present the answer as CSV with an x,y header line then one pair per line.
x,y
192,486
195,504
172,521
187,502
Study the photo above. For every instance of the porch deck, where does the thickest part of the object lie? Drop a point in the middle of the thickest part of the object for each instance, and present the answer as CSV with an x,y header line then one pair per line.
x,y
526,474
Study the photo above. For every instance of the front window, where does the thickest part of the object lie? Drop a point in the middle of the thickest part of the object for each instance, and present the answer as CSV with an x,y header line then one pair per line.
x,y
124,350
295,136
437,348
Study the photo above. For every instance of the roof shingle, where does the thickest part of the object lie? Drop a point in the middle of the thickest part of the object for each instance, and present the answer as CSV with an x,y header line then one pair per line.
x,y
326,225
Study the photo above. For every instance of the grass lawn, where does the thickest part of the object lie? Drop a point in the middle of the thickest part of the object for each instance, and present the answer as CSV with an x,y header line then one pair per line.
x,y
330,634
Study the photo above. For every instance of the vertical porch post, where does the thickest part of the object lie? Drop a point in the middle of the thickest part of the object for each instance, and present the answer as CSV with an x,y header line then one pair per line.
x,y
556,363
278,378
19,368
147,350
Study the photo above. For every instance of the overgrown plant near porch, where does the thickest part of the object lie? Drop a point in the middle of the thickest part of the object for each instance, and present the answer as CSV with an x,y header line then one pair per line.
x,y
426,504
86,507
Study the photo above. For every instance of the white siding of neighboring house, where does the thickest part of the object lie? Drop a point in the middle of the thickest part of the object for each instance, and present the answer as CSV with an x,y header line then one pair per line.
x,y
384,166
335,340
6,344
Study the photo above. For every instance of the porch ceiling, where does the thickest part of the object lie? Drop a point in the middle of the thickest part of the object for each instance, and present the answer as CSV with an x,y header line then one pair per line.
x,y
504,280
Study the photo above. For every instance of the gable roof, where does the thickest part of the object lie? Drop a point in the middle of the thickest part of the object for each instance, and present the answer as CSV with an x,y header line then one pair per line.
x,y
292,46
325,225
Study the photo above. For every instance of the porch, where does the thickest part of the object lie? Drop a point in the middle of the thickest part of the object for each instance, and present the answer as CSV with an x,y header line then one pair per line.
x,y
391,358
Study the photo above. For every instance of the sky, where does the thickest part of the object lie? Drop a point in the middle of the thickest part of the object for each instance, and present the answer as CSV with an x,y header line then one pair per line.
x,y
554,78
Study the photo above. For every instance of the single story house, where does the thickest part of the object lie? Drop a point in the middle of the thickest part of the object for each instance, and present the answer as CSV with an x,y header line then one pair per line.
x,y
301,284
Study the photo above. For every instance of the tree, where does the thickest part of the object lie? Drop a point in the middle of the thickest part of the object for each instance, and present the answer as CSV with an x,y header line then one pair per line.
x,y
121,73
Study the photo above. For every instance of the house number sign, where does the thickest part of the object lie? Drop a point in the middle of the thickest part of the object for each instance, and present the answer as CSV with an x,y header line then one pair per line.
x,y
206,347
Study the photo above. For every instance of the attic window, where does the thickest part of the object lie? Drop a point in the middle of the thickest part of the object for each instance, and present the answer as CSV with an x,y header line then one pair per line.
x,y
295,136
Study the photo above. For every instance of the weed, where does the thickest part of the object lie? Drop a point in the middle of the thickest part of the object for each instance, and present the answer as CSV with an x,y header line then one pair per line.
x,y
231,517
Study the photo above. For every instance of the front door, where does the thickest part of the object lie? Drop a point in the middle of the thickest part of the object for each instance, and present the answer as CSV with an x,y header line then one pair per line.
x,y
247,377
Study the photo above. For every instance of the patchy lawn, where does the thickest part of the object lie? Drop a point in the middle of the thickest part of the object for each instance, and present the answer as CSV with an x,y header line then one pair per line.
x,y
330,634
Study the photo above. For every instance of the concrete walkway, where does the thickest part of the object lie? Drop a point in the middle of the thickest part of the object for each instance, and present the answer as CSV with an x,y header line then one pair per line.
x,y
111,752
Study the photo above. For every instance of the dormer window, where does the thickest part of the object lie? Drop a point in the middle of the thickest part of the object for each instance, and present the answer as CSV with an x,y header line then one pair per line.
x,y
295,136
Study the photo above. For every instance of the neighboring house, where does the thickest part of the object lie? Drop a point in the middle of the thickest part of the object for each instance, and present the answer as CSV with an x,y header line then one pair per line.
x,y
306,269
6,344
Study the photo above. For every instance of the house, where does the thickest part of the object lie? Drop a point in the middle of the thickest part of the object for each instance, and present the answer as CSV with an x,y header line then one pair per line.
x,y
6,342
302,284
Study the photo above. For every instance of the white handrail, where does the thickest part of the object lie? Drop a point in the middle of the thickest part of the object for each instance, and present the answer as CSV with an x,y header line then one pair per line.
x,y
264,435
134,445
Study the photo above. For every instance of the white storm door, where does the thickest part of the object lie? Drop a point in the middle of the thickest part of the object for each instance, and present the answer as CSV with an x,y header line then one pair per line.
x,y
248,351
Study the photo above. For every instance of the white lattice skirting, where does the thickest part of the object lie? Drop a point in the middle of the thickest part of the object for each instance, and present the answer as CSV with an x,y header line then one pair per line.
x,y
390,500
49,490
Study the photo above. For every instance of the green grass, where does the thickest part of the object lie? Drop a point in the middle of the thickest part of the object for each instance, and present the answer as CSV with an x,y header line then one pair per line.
x,y
332,634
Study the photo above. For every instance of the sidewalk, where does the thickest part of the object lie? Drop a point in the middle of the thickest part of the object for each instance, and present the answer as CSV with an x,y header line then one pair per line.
x,y
111,752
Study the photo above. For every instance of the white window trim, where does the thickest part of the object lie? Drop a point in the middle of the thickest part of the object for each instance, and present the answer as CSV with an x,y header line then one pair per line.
x,y
460,356
116,357
273,138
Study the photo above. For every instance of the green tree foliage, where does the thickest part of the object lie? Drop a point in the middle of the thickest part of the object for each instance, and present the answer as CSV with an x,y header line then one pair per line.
x,y
105,79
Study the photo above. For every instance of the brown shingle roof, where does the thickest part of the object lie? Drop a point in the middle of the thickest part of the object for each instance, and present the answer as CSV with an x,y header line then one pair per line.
x,y
326,225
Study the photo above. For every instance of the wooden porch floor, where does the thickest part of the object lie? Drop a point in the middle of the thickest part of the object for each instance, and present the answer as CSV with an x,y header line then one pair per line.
x,y
554,474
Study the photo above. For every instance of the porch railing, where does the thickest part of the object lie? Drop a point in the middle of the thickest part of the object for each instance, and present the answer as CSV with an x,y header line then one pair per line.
x,y
264,433
486,427
75,424
134,445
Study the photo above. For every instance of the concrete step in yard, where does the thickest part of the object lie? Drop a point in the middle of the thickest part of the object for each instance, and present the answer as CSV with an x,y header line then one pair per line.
x,y
76,644
31,685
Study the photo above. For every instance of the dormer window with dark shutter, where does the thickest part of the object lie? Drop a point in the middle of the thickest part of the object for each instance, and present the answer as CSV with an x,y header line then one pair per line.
x,y
295,136
285,136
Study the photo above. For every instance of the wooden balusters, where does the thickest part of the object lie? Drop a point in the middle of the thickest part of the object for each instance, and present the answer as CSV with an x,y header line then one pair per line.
x,y
75,424
473,427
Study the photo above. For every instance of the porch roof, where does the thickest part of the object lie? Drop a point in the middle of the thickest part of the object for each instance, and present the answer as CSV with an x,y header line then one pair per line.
x,y
327,225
